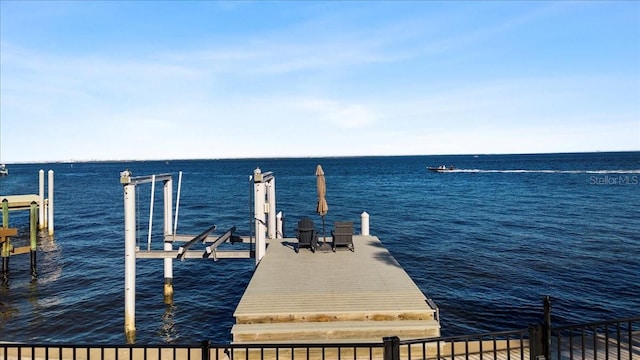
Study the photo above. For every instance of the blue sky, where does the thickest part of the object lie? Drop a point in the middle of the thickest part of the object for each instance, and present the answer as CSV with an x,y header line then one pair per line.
x,y
189,80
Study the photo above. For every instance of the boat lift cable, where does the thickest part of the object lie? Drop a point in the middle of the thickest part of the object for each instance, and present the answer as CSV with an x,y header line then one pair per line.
x,y
175,221
153,188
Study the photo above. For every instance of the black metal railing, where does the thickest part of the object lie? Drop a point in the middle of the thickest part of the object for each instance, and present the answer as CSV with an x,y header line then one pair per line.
x,y
202,351
615,339
307,351
504,345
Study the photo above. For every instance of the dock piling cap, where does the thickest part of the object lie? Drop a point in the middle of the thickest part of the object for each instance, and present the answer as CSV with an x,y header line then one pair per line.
x,y
125,177
257,175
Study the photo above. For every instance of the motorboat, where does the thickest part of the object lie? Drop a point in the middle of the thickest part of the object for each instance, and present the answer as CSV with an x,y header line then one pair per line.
x,y
441,168
3,170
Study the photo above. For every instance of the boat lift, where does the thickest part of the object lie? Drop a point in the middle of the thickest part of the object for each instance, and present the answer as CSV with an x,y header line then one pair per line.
x,y
264,220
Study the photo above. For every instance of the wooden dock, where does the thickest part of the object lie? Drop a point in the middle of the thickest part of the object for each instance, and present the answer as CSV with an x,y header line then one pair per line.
x,y
31,203
20,202
341,296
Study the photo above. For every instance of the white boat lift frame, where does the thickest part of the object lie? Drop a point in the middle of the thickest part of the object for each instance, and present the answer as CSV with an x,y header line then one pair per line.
x,y
266,223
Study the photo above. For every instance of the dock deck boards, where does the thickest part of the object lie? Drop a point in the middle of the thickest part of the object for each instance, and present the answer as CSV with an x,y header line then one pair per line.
x,y
343,286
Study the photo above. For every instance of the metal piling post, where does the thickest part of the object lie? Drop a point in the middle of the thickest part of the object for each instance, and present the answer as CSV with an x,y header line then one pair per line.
x,y
168,245
41,218
129,256
50,207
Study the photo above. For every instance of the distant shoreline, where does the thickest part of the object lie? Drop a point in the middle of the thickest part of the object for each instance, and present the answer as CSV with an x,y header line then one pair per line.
x,y
93,161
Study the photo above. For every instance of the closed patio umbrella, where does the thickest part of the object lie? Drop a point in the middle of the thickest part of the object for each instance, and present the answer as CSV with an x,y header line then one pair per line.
x,y
322,208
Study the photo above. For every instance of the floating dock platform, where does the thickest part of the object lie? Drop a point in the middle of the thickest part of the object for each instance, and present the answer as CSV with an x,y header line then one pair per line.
x,y
342,296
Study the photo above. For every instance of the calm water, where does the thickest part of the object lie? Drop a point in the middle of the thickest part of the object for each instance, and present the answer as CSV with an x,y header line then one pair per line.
x,y
485,242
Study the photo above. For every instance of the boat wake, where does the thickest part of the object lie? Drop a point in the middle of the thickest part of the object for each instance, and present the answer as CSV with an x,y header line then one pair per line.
x,y
547,171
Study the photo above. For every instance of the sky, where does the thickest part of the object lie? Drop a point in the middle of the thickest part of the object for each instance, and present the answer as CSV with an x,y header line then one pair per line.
x,y
145,80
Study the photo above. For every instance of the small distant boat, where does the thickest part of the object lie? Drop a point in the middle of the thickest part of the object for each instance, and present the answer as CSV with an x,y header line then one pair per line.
x,y
441,168
3,170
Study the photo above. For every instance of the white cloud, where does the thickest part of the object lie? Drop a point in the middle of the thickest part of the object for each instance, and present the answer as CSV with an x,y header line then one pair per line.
x,y
338,114
372,89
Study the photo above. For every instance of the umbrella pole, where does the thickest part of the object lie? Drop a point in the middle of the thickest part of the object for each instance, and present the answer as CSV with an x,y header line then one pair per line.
x,y
325,247
324,233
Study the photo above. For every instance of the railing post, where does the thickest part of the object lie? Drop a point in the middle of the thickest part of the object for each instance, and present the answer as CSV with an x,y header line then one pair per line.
x,y
536,351
540,335
391,348
546,327
205,350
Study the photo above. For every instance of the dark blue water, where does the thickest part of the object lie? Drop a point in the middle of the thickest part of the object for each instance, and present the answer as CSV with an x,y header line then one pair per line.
x,y
486,243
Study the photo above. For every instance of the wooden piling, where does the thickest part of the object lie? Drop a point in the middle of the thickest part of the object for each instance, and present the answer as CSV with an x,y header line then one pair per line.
x,y
6,241
40,216
5,213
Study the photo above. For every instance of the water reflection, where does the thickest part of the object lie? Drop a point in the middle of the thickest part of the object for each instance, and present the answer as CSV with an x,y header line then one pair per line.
x,y
168,332
7,312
